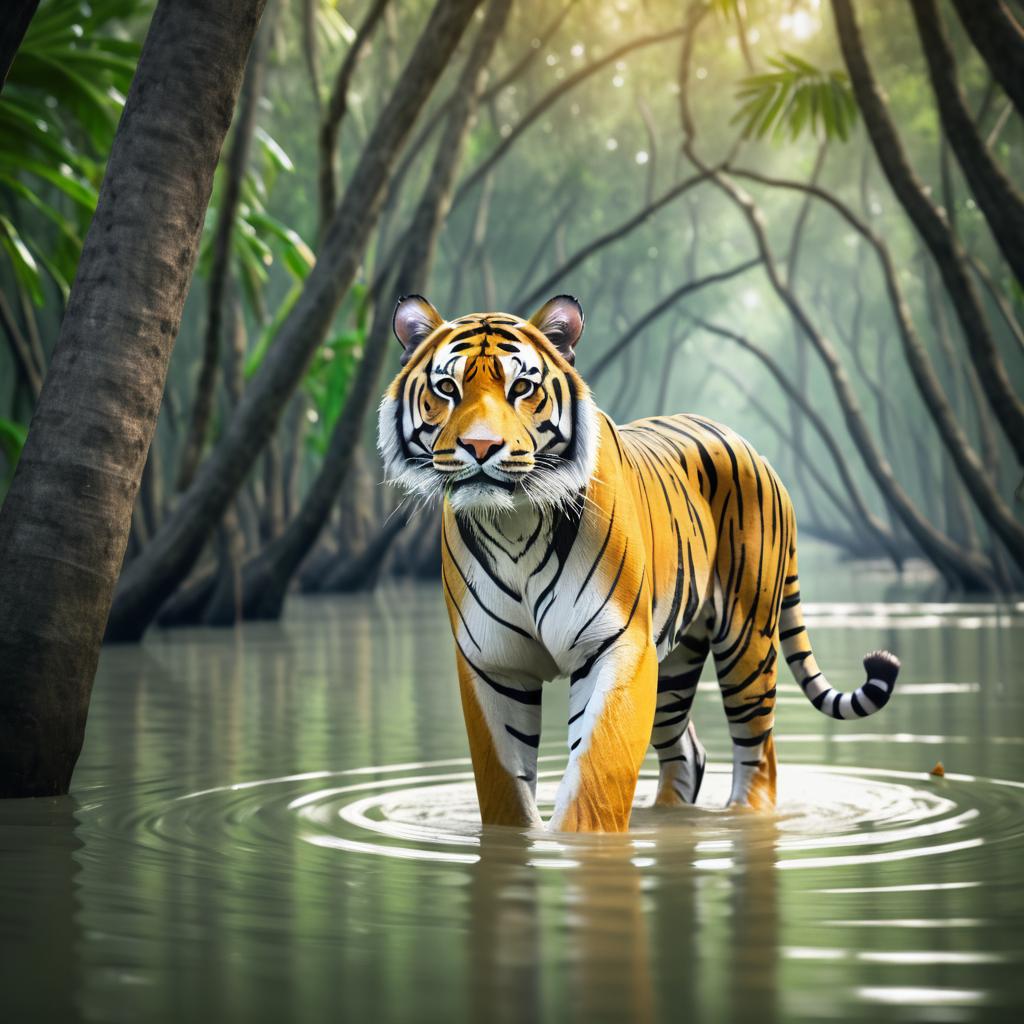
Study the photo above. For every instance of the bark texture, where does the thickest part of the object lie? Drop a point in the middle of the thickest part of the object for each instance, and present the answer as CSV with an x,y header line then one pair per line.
x,y
152,577
65,523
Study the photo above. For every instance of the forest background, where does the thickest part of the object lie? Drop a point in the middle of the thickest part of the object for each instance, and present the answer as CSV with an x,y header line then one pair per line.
x,y
801,218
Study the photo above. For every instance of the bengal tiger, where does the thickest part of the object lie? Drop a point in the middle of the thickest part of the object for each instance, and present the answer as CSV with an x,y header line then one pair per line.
x,y
619,556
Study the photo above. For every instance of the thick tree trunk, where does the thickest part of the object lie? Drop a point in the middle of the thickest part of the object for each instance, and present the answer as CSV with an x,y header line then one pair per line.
x,y
266,577
999,38
174,549
65,522
995,194
933,229
220,263
13,26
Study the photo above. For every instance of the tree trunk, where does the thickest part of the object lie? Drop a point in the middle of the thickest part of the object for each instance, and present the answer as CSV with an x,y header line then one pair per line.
x,y
266,578
998,37
13,27
220,263
934,231
65,522
174,549
998,200
362,571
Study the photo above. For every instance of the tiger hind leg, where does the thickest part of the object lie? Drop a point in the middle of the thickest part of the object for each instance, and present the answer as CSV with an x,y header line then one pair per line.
x,y
747,670
681,756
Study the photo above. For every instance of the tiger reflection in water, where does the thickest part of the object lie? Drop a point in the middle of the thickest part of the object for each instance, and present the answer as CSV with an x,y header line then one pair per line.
x,y
619,556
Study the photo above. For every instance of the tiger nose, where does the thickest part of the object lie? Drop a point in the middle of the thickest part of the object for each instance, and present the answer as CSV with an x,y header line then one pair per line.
x,y
481,448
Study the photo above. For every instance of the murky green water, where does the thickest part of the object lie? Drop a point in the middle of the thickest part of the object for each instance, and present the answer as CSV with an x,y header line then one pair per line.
x,y
279,825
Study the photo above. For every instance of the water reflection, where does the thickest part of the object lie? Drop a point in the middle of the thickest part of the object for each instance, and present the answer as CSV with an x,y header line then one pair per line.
x,y
279,824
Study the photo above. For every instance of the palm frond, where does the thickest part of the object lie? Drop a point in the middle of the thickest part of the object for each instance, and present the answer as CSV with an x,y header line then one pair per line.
x,y
794,97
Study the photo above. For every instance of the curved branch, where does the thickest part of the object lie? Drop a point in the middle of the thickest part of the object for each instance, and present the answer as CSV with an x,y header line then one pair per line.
x,y
968,464
662,307
875,525
1001,204
623,229
337,107
973,570
552,97
998,37
933,229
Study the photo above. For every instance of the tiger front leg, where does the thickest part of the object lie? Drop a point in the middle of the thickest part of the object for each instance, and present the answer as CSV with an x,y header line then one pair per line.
x,y
611,706
503,726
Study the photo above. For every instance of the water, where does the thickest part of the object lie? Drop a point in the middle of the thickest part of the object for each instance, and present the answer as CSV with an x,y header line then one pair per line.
x,y
280,825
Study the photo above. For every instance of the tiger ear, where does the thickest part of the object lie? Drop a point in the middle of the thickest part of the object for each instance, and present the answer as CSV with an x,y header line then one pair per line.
x,y
560,320
415,319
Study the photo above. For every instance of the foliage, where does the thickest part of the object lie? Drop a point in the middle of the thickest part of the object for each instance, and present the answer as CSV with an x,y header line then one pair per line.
x,y
60,109
795,96
12,440
328,380
256,234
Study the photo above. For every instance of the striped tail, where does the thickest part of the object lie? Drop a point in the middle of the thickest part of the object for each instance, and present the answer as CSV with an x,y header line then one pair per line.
x,y
881,666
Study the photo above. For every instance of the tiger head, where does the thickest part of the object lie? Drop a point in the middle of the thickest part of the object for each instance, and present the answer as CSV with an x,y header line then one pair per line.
x,y
487,410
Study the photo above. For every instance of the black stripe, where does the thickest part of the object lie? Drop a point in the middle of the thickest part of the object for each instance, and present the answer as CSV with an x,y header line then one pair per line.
x,y
751,741
611,590
532,697
671,721
530,741
468,537
476,597
668,743
600,554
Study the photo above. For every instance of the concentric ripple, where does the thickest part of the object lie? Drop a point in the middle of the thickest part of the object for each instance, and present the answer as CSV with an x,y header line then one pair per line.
x,y
827,817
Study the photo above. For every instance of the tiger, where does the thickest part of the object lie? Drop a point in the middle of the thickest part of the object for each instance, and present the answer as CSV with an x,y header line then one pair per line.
x,y
617,556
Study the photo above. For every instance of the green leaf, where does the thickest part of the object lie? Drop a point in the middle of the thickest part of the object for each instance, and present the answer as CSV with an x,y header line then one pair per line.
x,y
62,177
267,335
281,160
794,97
12,440
22,263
